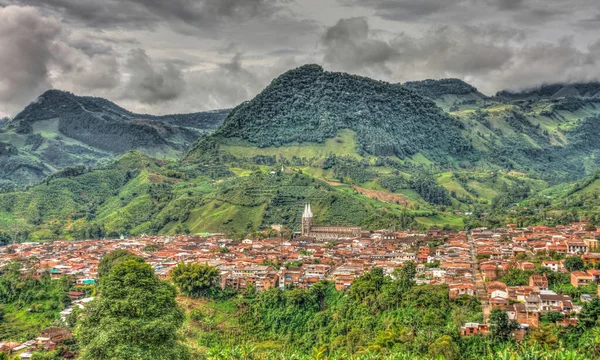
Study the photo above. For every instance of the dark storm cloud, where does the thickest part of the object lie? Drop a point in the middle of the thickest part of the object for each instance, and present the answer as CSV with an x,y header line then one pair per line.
x,y
238,46
38,54
348,45
27,42
491,57
149,14
151,83
98,43
465,50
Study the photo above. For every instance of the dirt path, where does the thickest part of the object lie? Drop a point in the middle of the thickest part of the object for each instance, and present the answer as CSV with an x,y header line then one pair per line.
x,y
384,196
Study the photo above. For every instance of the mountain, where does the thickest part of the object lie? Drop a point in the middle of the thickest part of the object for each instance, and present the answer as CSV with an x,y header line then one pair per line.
x,y
310,105
361,151
301,112
60,129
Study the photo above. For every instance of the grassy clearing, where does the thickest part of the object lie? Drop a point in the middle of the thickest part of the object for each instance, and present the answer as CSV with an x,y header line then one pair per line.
x,y
344,144
441,220
217,216
452,185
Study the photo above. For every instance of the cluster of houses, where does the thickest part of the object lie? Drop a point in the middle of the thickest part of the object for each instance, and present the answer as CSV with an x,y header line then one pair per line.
x,y
47,340
468,263
265,263
500,250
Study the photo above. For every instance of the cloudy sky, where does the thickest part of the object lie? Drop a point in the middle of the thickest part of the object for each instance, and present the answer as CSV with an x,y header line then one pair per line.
x,y
158,56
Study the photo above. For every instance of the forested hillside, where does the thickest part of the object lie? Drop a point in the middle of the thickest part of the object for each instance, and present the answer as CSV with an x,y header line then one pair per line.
x,y
430,153
60,129
309,104
138,195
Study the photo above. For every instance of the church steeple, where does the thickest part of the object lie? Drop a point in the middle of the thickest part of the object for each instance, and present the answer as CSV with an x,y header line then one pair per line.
x,y
307,211
307,218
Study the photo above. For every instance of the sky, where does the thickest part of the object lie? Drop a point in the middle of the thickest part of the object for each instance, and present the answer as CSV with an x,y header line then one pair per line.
x,y
179,56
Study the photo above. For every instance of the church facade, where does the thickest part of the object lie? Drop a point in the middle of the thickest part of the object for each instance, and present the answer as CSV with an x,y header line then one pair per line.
x,y
325,232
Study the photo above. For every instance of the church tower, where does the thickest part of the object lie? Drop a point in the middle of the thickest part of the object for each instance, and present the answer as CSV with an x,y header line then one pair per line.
x,y
307,219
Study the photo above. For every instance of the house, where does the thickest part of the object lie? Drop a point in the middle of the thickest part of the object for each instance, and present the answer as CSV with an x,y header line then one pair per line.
x,y
549,300
540,281
591,258
343,281
497,289
457,290
76,295
470,329
595,274
525,316
552,265
579,278
586,298
56,335
591,243
577,247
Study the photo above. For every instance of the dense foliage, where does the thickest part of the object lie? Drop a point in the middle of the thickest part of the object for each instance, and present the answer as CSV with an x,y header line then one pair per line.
x,y
437,88
134,317
194,279
28,305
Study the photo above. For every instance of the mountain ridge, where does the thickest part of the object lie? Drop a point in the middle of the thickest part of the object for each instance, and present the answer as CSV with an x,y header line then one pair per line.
x,y
389,119
396,156
61,129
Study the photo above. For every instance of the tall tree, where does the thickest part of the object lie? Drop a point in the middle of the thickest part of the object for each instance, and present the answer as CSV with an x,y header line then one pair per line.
x,y
113,258
195,279
574,263
502,326
134,317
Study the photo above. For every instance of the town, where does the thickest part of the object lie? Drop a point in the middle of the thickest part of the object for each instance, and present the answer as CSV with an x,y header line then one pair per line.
x,y
510,268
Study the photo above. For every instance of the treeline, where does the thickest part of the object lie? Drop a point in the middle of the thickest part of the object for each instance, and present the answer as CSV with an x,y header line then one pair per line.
x,y
437,88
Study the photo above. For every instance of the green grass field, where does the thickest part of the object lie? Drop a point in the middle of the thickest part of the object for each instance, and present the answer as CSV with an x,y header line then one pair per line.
x,y
344,144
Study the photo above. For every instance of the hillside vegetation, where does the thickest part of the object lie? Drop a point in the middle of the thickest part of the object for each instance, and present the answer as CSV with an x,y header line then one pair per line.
x,y
60,129
364,152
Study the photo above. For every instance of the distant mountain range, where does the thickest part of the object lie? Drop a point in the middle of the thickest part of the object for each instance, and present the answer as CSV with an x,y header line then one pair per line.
x,y
360,151
60,129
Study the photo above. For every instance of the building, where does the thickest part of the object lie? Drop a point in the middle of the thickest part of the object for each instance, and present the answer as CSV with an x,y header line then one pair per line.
x,y
325,232
577,247
579,278
540,281
470,329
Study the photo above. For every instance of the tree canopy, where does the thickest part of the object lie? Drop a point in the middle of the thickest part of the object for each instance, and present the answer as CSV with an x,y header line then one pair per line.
x,y
134,317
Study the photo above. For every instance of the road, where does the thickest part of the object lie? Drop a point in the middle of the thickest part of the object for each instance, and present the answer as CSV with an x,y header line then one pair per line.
x,y
478,275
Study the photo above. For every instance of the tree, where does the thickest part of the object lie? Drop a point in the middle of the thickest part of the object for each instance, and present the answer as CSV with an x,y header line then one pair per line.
x,y
195,280
368,286
554,316
590,314
574,263
444,347
502,326
544,335
113,258
135,316
404,279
